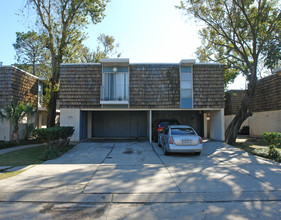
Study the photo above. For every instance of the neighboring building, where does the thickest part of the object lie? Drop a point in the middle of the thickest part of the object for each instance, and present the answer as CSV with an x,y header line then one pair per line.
x,y
19,85
16,85
266,105
117,99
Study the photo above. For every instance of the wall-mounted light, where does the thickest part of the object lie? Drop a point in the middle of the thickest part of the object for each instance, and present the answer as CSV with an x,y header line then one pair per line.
x,y
115,69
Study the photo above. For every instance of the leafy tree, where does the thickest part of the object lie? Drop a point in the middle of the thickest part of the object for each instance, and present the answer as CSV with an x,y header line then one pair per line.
x,y
30,50
15,112
63,22
106,48
235,34
272,51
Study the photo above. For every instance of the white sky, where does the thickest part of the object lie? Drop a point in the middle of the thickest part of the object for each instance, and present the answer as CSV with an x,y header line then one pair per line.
x,y
146,30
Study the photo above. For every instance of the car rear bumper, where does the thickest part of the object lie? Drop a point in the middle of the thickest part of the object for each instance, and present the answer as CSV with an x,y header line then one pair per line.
x,y
184,149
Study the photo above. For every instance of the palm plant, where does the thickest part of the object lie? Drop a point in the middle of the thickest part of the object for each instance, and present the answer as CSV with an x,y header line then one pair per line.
x,y
15,112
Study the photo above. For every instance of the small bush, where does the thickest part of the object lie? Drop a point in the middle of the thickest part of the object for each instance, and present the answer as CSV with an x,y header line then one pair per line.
x,y
54,135
273,138
56,138
244,130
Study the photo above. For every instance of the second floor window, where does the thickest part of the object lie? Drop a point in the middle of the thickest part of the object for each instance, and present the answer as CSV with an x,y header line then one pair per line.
x,y
115,86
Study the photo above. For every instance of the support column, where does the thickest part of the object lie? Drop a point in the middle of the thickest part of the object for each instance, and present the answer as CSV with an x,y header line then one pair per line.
x,y
217,125
89,124
205,124
71,117
150,126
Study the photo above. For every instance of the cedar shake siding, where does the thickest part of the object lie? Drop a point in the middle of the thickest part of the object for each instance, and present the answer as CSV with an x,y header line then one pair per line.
x,y
80,86
267,96
17,85
154,86
233,100
151,86
208,86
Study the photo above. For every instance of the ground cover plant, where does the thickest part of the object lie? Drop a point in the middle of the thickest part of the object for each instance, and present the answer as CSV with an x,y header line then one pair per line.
x,y
261,146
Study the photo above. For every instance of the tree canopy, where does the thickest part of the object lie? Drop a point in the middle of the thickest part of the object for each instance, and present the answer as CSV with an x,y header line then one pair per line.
x,y
63,22
236,33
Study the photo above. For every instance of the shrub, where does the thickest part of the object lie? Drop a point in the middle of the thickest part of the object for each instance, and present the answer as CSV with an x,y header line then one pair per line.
x,y
244,130
59,135
55,137
273,138
28,128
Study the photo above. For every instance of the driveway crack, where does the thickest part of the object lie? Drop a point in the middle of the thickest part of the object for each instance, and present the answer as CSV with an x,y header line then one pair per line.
x,y
98,168
166,168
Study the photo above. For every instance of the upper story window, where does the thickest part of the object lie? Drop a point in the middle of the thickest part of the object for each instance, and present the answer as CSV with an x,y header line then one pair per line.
x,y
186,87
115,85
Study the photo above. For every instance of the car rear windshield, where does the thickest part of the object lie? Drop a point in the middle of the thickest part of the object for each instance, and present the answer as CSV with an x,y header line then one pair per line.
x,y
181,131
165,123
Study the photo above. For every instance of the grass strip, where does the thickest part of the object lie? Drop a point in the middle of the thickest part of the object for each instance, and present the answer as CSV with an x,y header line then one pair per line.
x,y
25,157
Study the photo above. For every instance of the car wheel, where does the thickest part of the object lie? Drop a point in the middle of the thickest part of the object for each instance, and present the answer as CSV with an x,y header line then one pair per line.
x,y
159,145
197,153
165,151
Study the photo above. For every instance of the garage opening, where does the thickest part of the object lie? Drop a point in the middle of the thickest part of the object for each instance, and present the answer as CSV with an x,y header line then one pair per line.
x,y
119,124
191,118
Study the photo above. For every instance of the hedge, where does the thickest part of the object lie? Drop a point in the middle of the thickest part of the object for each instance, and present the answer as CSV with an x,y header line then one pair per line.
x,y
54,135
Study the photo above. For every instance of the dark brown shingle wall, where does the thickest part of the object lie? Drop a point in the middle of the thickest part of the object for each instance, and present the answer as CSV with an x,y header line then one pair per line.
x,y
80,86
233,100
154,86
267,96
5,85
208,86
17,85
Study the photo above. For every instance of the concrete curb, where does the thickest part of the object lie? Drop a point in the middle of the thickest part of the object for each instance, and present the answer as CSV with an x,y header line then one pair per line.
x,y
139,198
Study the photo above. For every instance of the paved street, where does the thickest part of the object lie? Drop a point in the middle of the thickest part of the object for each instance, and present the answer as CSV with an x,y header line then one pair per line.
x,y
135,180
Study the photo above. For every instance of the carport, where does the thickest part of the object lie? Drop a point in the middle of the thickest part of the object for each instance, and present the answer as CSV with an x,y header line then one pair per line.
x,y
137,124
115,124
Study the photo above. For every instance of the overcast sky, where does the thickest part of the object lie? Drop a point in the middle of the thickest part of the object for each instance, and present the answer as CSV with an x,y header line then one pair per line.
x,y
146,30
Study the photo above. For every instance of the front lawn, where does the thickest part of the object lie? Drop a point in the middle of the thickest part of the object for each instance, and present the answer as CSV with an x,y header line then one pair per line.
x,y
25,157
8,144
255,145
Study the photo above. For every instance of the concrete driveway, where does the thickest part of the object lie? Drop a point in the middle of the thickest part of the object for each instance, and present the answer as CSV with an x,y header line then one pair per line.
x,y
135,180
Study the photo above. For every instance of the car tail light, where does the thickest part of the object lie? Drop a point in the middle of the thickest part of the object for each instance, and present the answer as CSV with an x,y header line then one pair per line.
x,y
160,128
171,140
200,140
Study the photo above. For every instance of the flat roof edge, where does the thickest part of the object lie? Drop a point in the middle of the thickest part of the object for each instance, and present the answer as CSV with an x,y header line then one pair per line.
x,y
80,64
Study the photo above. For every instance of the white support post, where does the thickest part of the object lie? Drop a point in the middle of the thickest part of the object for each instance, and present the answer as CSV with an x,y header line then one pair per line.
x,y
150,126
71,117
205,125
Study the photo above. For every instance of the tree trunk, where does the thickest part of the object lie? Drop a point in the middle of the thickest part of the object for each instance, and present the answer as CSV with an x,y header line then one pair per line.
x,y
52,107
243,113
232,130
16,134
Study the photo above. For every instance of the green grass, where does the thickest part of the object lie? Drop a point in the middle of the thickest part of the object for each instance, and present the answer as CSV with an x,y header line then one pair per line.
x,y
25,157
256,146
8,144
